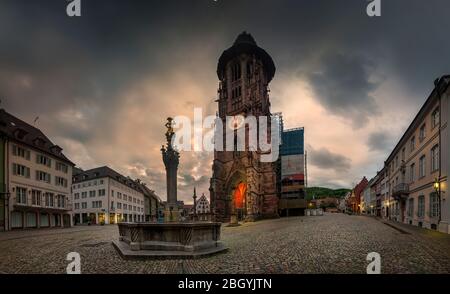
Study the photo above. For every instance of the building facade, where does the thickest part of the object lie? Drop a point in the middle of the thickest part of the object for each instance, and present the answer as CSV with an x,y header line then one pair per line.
x,y
292,173
3,191
202,208
372,207
365,201
417,169
36,178
242,186
380,191
103,196
152,202
354,201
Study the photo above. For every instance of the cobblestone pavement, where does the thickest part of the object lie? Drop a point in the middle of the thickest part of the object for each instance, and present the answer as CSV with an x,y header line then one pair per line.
x,y
333,243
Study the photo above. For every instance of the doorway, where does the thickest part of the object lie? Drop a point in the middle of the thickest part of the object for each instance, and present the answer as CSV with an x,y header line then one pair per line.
x,y
240,201
66,221
112,218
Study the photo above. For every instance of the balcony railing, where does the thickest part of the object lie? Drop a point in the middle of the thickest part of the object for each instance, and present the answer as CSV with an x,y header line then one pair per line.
x,y
401,190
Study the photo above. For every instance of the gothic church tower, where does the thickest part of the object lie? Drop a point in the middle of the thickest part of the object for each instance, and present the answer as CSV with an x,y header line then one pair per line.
x,y
243,187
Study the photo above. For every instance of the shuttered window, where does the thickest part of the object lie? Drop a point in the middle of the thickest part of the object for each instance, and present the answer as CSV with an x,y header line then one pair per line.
x,y
21,170
21,152
43,176
44,160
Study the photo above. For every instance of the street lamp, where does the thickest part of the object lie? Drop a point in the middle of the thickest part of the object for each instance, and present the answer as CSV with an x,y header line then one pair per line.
x,y
436,185
437,188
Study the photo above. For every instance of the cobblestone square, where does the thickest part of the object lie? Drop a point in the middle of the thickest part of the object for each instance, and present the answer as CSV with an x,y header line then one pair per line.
x,y
334,243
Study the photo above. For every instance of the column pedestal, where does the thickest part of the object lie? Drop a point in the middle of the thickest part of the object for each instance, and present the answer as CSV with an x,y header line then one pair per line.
x,y
234,221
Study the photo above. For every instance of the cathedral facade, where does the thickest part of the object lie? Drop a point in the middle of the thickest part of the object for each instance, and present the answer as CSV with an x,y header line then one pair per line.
x,y
243,188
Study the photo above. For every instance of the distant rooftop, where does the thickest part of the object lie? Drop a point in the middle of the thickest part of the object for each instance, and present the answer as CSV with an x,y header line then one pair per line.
x,y
106,172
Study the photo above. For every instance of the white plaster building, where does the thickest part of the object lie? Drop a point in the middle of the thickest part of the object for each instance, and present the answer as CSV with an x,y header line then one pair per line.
x,y
103,196
35,178
384,193
417,169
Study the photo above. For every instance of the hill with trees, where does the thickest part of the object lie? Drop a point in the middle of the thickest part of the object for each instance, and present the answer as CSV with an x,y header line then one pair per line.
x,y
321,192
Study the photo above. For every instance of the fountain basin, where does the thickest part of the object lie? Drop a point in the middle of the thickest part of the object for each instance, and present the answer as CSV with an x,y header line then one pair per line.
x,y
169,240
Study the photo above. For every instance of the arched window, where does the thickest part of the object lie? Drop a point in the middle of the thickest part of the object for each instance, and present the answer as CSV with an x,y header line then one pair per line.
x,y
236,72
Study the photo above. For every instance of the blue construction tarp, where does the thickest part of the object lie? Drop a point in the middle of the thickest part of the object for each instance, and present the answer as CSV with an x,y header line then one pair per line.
x,y
293,142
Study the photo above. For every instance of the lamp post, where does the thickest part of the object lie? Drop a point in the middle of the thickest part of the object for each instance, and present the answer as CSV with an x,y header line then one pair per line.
x,y
437,188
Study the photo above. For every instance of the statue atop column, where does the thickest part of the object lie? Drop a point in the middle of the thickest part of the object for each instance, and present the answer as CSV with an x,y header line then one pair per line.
x,y
171,158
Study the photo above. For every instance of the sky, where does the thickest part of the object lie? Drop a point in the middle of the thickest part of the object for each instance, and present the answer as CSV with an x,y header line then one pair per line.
x,y
104,83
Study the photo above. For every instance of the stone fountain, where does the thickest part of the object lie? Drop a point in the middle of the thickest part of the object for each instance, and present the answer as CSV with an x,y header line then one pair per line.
x,y
171,239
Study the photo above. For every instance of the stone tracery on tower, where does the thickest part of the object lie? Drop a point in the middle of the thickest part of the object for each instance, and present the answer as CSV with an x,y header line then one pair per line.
x,y
244,71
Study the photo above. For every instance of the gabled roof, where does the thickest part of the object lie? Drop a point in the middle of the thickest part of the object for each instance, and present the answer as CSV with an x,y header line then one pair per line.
x,y
203,198
19,131
106,172
148,192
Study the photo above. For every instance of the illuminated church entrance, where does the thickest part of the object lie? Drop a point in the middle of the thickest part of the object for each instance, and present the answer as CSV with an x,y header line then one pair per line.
x,y
239,201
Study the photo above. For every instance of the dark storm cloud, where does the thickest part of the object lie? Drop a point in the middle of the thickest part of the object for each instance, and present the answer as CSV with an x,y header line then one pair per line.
x,y
380,141
343,86
325,159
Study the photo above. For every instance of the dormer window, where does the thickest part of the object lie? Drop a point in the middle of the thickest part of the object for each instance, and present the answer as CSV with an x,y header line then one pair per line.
x,y
56,149
39,141
20,133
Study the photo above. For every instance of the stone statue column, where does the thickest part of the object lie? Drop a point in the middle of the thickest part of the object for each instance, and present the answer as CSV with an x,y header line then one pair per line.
x,y
171,159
